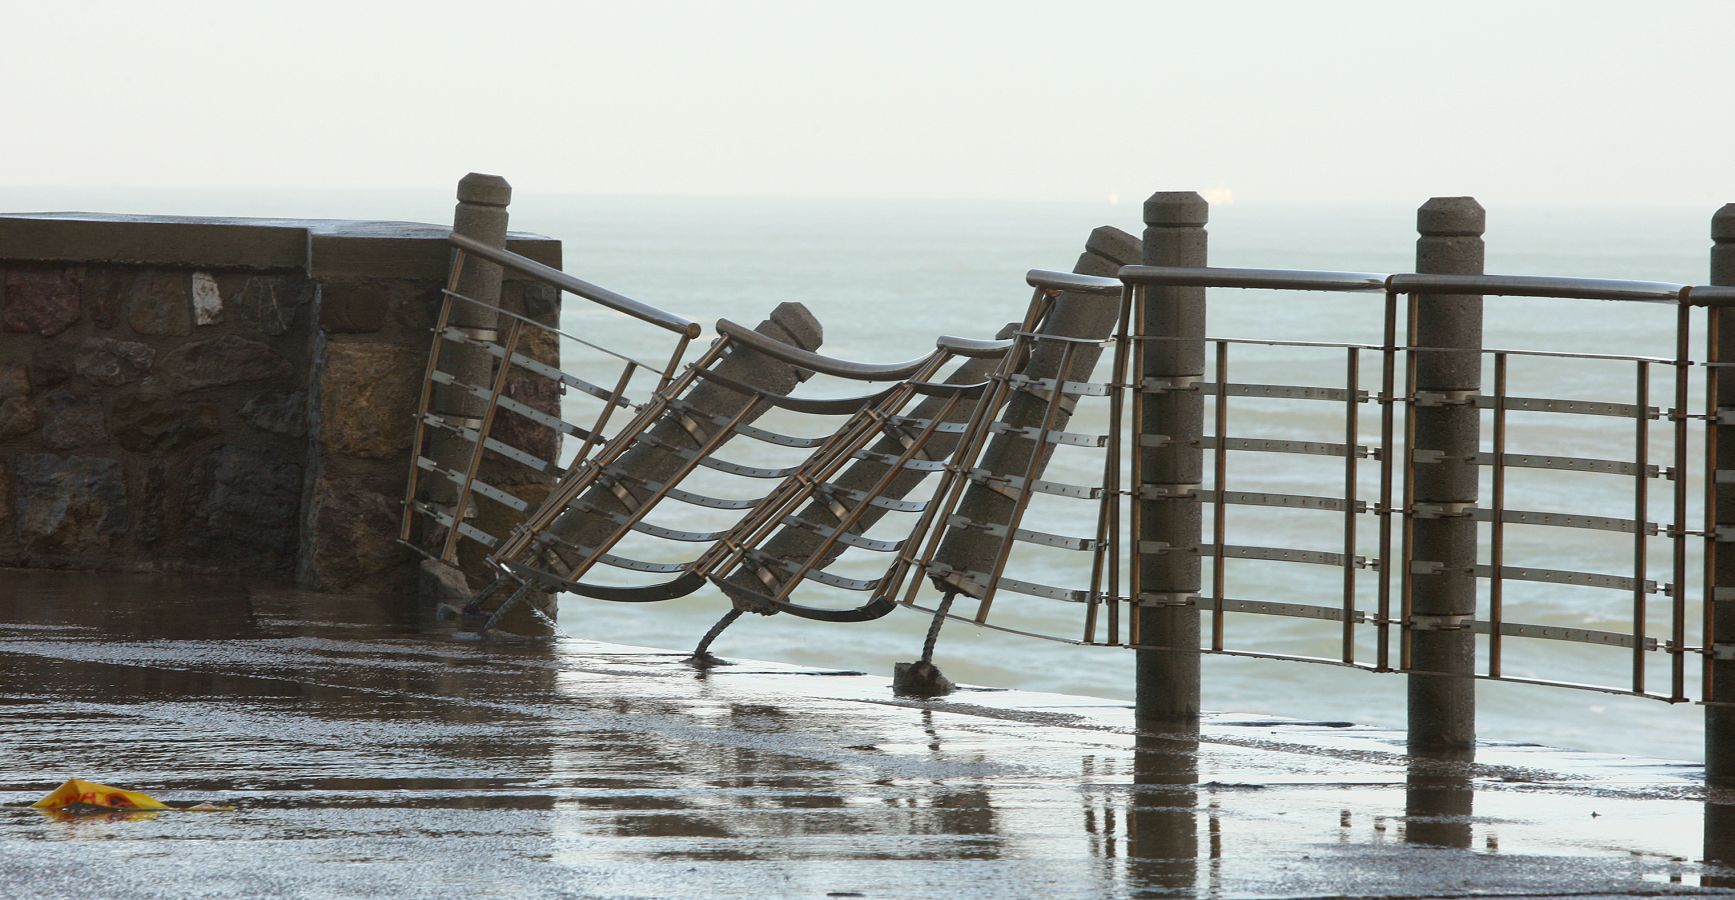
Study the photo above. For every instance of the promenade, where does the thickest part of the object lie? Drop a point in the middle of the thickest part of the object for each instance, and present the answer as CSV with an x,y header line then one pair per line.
x,y
370,753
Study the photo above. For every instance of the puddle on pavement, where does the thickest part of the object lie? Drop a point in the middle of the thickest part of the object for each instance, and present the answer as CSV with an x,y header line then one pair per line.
x,y
346,721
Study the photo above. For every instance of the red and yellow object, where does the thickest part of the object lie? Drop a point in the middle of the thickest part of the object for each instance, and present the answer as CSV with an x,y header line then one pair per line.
x,y
88,794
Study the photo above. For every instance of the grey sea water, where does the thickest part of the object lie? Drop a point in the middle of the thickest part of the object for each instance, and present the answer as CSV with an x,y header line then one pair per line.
x,y
885,277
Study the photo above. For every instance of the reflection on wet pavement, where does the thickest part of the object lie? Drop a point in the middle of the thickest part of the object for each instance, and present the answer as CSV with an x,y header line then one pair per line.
x,y
368,753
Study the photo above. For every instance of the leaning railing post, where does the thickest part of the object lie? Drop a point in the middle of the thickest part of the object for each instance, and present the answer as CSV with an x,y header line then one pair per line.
x,y
1442,565
1171,442
1720,689
480,215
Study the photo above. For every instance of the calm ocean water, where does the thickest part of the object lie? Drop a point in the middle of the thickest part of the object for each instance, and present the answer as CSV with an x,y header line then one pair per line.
x,y
885,277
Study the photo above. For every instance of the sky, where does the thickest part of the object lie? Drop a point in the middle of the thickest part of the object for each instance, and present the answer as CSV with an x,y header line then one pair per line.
x,y
1527,102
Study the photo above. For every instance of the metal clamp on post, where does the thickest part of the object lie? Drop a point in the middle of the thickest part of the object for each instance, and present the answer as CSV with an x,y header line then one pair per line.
x,y
1151,491
1447,398
1721,650
1154,384
459,423
1447,510
1168,599
1420,622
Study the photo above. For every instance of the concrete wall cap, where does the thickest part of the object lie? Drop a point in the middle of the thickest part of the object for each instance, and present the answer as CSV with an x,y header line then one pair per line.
x,y
1723,223
1112,243
484,190
1451,216
1176,208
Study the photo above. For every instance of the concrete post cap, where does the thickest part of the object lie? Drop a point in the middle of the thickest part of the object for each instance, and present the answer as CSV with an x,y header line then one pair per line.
x,y
1176,208
484,190
1723,223
1450,216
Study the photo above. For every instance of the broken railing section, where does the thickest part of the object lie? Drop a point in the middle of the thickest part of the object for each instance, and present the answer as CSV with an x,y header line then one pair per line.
x,y
504,411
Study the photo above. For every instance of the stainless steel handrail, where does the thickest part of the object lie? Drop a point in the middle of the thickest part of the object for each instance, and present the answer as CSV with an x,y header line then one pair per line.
x,y
1274,279
806,359
548,274
1072,282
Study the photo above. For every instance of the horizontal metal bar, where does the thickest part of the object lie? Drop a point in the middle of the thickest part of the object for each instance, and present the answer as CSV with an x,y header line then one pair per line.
x,y
847,538
1282,554
1561,520
1540,286
1016,586
1072,388
1071,282
1568,464
477,485
891,459
1027,536
831,490
1564,576
507,403
1573,407
1264,445
1060,438
1293,610
1015,483
683,495
1281,501
1272,279
918,423
603,296
506,450
458,335
1278,391
1559,633
464,528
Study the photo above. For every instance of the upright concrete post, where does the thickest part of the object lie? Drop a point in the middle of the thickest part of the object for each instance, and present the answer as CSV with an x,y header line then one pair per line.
x,y
480,215
1443,583
1169,519
1720,720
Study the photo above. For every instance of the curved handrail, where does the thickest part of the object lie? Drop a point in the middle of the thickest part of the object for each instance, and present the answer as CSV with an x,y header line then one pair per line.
x,y
1071,282
1539,286
972,348
1275,279
617,302
807,359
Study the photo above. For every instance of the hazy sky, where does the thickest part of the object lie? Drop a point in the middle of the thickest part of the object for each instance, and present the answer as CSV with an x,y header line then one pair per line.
x,y
1583,102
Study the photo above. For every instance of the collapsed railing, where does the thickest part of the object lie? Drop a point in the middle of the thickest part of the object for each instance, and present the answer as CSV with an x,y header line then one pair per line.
x,y
924,487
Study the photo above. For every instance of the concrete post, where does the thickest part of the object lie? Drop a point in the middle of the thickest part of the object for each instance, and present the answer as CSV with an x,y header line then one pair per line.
x,y
1442,689
481,215
1720,720
1170,523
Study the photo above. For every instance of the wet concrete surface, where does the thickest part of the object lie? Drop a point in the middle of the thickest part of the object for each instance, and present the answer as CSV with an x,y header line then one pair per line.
x,y
368,753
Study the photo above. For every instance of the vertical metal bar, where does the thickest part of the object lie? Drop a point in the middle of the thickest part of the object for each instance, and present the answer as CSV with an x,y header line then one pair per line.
x,y
1136,509
424,404
669,370
1219,506
1351,440
1497,523
1708,598
450,551
1641,518
1407,553
1118,380
1388,410
1678,608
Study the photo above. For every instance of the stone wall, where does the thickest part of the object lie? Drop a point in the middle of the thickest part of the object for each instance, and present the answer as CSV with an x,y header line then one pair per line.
x,y
217,396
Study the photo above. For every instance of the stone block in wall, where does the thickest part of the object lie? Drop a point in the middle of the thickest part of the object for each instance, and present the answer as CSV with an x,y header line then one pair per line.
x,y
53,363
278,412
156,421
354,542
111,362
538,440
68,506
214,362
152,504
102,294
41,302
71,420
242,508
207,300
17,414
356,307
367,399
161,303
269,304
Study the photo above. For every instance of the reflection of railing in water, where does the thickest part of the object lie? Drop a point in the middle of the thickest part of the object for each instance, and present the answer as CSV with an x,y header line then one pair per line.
x,y
1403,510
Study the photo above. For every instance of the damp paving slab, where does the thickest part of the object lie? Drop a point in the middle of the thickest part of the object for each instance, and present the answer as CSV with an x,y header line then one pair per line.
x,y
367,752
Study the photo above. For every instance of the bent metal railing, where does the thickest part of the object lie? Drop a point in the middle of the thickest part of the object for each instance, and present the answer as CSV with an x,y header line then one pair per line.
x,y
989,495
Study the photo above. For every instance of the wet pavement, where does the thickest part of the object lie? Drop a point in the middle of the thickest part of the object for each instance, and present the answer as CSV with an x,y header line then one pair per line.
x,y
370,753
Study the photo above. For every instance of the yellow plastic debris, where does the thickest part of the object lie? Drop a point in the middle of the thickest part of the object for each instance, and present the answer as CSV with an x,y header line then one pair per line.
x,y
78,792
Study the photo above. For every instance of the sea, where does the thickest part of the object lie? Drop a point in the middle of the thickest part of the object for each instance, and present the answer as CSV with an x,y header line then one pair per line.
x,y
885,277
